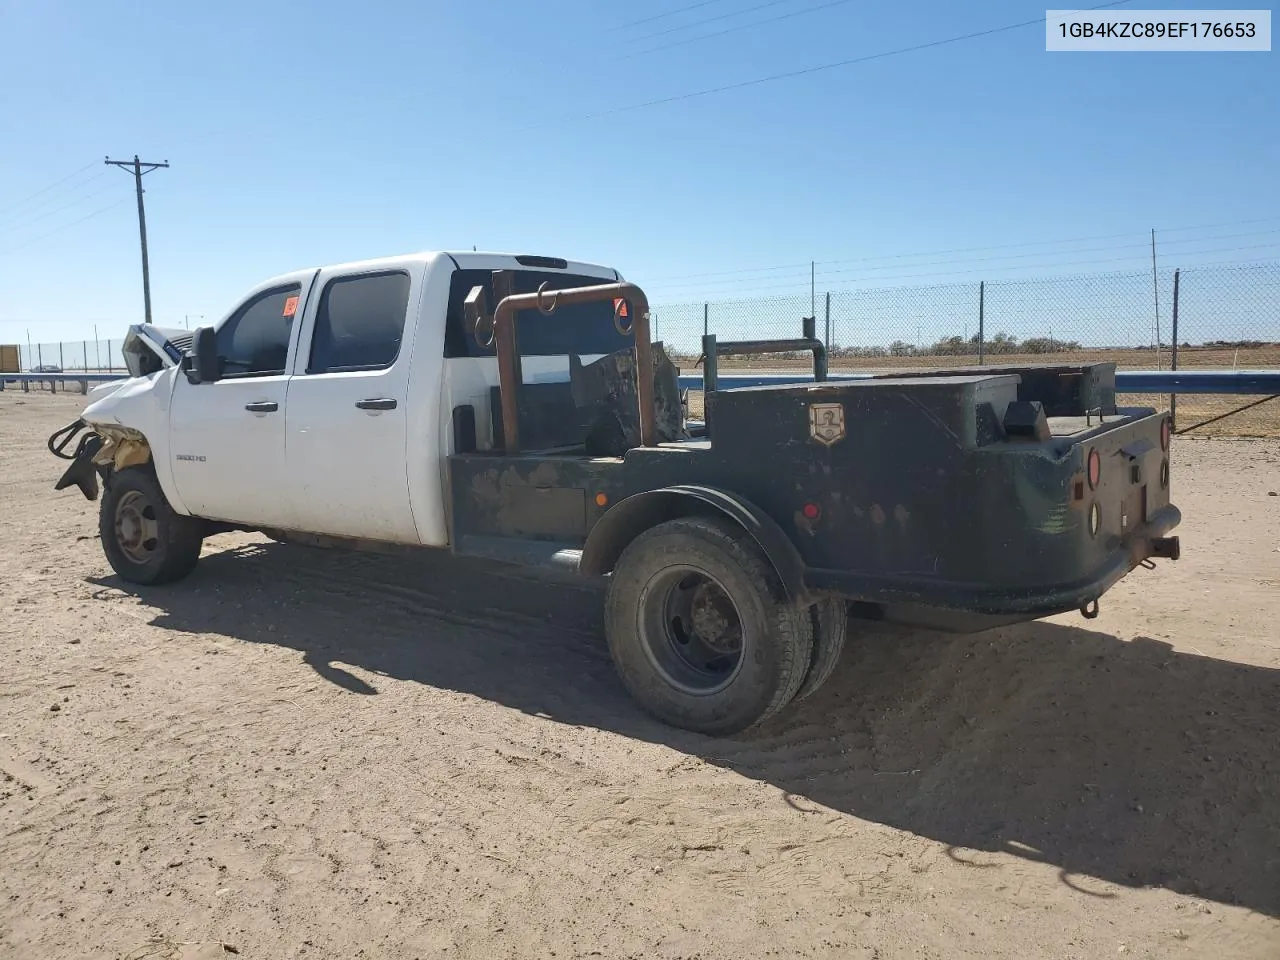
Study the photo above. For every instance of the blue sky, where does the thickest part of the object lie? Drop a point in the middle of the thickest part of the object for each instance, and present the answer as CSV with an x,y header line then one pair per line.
x,y
301,134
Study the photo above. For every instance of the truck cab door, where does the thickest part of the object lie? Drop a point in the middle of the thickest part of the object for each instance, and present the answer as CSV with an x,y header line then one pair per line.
x,y
346,417
226,438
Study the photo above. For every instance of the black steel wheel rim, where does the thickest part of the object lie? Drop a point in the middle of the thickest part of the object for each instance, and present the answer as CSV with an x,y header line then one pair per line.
x,y
691,630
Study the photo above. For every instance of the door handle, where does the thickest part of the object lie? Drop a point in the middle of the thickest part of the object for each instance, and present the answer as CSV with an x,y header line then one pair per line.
x,y
262,406
380,403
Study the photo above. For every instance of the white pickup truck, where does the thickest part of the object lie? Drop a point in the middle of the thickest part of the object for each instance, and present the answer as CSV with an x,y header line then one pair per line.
x,y
514,408
331,408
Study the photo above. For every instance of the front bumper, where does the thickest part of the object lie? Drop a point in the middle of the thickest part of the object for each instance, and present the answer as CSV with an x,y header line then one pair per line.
x,y
82,472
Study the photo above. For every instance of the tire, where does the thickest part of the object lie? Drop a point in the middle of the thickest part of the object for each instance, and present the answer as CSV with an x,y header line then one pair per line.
x,y
700,628
830,619
144,540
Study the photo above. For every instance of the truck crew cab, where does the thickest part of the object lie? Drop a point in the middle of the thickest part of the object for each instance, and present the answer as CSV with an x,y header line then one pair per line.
x,y
513,407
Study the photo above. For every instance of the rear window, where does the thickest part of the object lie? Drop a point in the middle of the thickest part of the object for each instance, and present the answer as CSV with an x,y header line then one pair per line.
x,y
584,329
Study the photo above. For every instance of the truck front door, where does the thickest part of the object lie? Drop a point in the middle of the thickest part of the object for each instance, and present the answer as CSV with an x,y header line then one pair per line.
x,y
226,438
346,415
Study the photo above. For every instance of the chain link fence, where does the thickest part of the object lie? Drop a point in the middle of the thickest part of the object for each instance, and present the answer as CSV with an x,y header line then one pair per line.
x,y
73,356
1228,317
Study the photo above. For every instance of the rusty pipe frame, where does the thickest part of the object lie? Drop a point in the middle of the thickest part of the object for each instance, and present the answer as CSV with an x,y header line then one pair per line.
x,y
510,375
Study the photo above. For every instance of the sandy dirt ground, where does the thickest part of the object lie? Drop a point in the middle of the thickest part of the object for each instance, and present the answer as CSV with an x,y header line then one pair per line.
x,y
307,753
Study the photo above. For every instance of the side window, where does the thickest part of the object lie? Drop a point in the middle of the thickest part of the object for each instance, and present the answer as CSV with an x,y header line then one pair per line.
x,y
255,341
359,323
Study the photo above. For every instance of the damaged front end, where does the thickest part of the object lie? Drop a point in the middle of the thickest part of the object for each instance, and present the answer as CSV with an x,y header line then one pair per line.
x,y
102,446
99,451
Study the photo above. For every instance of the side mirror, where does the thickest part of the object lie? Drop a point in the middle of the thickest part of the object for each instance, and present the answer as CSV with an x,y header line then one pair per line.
x,y
203,359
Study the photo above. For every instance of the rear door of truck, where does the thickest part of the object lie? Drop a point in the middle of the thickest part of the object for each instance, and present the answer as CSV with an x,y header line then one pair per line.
x,y
346,409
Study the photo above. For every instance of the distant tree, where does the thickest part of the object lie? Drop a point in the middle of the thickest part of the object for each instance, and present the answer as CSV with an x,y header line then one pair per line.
x,y
950,347
1048,345
1002,343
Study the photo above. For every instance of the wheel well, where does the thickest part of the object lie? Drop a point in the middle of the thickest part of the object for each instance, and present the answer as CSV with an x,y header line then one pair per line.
x,y
637,513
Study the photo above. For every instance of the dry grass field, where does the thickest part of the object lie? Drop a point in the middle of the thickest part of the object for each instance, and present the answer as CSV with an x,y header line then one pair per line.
x,y
300,753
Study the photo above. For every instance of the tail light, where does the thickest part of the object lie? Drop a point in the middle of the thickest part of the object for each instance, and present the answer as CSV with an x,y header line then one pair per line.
x,y
1095,469
1166,430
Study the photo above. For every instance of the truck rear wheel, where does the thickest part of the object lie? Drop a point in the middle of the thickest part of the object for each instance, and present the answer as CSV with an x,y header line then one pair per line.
x,y
144,539
830,619
701,630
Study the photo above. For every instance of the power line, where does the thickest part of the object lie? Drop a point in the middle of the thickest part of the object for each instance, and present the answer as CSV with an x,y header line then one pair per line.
x,y
10,228
998,266
331,110
38,209
803,284
999,246
805,71
43,190
65,226
1046,253
742,26
669,13
718,17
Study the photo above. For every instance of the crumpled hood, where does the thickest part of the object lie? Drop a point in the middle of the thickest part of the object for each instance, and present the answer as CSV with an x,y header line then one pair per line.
x,y
147,349
146,341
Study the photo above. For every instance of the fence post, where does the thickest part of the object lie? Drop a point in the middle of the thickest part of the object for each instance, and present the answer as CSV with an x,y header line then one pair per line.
x,y
827,324
97,350
982,334
706,318
1173,354
85,346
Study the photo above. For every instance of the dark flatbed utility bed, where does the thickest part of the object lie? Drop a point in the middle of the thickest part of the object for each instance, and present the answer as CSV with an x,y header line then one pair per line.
x,y
944,499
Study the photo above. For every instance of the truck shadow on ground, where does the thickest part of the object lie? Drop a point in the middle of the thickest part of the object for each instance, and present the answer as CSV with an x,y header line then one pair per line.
x,y
1117,759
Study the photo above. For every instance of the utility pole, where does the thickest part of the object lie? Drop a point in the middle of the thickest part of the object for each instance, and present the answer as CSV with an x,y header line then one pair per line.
x,y
138,173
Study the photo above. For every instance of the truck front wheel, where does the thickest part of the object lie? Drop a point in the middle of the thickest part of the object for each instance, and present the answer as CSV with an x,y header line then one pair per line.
x,y
701,630
144,539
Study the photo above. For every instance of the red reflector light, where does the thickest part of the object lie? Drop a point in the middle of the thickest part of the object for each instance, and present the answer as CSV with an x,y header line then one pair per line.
x,y
1166,428
811,511
1095,469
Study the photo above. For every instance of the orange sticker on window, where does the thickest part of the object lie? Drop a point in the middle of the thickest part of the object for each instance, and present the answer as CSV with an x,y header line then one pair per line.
x,y
291,306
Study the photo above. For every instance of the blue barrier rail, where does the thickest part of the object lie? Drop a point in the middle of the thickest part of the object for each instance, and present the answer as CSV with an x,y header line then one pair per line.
x,y
82,380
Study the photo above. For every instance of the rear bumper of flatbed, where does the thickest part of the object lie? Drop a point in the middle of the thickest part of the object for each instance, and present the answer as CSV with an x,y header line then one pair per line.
x,y
966,607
